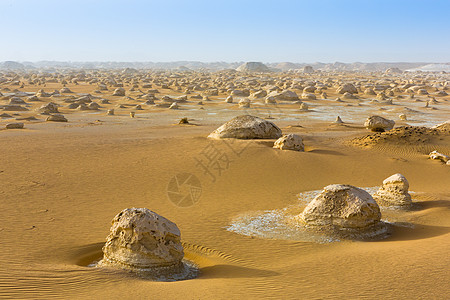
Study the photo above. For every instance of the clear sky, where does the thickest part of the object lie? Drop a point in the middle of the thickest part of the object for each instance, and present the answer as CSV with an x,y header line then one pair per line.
x,y
225,30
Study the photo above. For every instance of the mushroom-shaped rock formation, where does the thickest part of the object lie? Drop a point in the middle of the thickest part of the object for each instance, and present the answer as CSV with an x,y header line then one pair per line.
x,y
140,238
379,124
247,127
344,210
394,192
144,242
289,142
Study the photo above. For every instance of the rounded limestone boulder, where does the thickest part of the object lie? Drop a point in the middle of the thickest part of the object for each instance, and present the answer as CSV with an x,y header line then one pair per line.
x,y
244,103
119,92
290,142
379,124
247,127
345,210
394,192
141,239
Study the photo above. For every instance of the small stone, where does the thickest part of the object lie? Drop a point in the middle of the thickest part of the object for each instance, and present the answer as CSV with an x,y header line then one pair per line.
x,y
57,118
14,126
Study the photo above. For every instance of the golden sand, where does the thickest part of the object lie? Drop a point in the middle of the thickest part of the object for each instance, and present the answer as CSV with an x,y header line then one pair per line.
x,y
62,183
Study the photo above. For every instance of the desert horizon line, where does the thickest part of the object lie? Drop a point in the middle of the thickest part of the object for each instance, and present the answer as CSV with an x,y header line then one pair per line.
x,y
222,61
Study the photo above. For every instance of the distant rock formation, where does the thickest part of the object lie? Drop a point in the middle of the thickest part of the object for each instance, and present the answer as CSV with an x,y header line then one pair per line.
x,y
307,69
253,67
247,127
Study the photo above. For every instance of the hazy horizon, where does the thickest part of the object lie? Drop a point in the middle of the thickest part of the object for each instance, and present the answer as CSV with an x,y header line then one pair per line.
x,y
229,31
226,62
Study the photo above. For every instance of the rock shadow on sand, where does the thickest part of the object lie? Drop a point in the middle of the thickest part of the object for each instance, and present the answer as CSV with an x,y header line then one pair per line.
x,y
231,271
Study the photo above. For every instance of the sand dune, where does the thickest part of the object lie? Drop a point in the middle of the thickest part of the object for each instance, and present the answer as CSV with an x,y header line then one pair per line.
x,y
63,182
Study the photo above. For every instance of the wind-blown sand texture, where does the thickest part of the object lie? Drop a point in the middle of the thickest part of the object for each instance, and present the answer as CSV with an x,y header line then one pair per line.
x,y
62,183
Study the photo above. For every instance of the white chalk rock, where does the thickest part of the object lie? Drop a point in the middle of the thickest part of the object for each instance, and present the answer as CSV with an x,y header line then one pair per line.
x,y
290,142
174,106
439,156
379,124
119,92
140,238
49,108
247,127
394,192
284,95
338,120
341,207
244,103
308,96
347,88
253,67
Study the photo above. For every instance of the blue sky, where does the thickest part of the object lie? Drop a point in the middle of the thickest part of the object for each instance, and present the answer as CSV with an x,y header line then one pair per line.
x,y
268,31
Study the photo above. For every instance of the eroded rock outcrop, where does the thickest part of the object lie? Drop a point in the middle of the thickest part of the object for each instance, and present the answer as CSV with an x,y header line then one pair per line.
x,y
394,192
140,238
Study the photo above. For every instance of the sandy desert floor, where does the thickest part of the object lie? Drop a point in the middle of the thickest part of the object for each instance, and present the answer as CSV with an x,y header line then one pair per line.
x,y
62,183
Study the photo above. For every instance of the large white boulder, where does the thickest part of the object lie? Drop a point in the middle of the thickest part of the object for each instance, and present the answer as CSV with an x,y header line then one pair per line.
x,y
285,95
344,210
140,238
247,127
379,124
